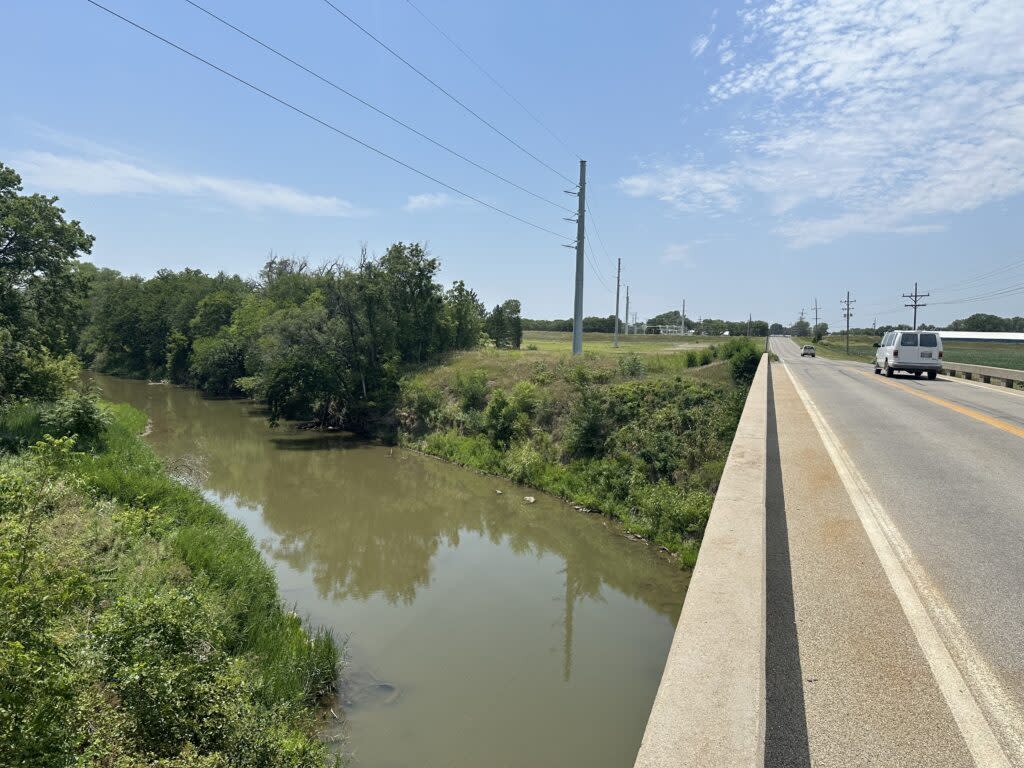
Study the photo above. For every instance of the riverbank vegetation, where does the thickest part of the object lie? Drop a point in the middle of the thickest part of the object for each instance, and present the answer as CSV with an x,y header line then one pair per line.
x,y
140,625
642,438
325,345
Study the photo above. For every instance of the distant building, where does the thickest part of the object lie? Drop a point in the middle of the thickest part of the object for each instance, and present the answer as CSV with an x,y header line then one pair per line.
x,y
1006,337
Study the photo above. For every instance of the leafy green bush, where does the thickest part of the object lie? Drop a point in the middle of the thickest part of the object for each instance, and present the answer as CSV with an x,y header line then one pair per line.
x,y
150,634
692,359
631,366
471,389
76,414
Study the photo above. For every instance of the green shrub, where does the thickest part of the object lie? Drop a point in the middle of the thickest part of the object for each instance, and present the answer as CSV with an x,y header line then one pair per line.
x,y
631,366
524,463
692,359
79,414
471,389
504,418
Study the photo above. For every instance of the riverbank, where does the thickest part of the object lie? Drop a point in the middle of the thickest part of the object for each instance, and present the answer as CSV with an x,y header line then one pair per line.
x,y
642,439
141,624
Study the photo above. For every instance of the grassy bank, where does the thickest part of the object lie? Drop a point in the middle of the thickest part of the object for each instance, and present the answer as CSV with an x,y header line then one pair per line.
x,y
141,625
642,438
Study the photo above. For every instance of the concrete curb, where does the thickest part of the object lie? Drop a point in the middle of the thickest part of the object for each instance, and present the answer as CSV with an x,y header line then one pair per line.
x,y
710,707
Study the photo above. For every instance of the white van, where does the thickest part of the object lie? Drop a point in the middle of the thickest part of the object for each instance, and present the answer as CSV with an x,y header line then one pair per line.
x,y
915,351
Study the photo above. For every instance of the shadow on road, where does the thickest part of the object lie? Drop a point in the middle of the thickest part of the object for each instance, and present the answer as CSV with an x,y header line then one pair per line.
x,y
785,741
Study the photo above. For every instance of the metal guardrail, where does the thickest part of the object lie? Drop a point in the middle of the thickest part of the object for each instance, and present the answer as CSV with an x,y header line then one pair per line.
x,y
986,373
710,708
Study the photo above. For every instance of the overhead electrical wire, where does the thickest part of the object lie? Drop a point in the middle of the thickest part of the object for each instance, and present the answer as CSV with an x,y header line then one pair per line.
x,y
593,266
491,77
447,93
324,123
376,109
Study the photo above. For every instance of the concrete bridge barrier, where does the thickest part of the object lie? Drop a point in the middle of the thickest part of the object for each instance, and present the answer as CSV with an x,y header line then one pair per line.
x,y
710,708
986,373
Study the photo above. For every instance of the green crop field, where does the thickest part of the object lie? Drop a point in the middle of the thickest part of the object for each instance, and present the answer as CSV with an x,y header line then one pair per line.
x,y
601,343
998,354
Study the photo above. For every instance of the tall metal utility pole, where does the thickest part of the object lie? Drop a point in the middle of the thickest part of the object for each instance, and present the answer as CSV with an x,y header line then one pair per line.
x,y
577,314
682,320
915,302
627,310
815,316
618,279
847,314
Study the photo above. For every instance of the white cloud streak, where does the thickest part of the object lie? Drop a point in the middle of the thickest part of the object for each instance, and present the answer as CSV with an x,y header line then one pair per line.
x,y
428,202
114,176
876,116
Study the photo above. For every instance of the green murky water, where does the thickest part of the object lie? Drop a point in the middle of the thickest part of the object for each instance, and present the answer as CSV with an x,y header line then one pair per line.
x,y
481,630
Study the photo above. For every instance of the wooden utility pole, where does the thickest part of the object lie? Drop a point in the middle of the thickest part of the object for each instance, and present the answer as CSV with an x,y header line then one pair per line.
x,y
577,315
618,280
847,314
915,302
627,310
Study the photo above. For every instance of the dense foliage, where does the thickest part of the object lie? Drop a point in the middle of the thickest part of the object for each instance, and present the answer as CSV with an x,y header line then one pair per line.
x,y
140,626
645,447
325,344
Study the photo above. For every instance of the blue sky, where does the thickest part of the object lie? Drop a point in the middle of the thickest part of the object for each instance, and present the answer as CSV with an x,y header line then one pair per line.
x,y
748,157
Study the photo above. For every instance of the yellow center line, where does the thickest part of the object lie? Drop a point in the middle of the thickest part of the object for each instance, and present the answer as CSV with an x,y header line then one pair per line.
x,y
992,421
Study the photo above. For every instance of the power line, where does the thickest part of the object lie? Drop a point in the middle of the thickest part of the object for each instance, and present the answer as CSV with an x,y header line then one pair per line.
x,y
447,93
367,104
491,77
324,123
597,231
593,266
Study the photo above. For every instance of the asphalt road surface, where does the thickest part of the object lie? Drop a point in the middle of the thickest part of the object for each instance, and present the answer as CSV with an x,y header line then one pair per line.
x,y
895,568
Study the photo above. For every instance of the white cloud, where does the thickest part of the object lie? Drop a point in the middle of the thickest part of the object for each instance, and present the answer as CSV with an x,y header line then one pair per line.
x,y
428,201
699,45
688,188
678,253
872,116
118,176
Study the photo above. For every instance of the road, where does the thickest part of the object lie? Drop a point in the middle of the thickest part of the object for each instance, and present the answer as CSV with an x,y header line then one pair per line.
x,y
895,568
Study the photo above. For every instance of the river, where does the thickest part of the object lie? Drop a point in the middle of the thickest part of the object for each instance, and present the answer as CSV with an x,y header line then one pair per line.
x,y
480,630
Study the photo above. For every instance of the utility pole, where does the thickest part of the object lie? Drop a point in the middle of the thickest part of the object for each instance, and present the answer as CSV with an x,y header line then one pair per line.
x,y
915,302
815,316
627,310
577,315
682,320
750,319
618,279
847,314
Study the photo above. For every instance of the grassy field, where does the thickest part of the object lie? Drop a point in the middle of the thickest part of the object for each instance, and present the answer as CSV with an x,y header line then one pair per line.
x,y
601,343
640,434
1000,355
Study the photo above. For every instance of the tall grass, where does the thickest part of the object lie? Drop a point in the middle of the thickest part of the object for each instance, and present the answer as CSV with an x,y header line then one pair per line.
x,y
141,624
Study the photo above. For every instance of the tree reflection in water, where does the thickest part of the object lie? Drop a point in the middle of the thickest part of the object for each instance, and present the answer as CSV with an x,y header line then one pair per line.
x,y
367,520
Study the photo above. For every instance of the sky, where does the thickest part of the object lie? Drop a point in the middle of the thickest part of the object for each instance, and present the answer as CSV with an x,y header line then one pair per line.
x,y
750,158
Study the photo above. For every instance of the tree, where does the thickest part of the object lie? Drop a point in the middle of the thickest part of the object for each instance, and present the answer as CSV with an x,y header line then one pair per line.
x,y
514,322
777,329
820,331
40,289
801,328
465,315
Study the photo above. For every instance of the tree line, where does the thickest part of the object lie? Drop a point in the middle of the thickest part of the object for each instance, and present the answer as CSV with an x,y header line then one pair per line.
x,y
709,327
326,343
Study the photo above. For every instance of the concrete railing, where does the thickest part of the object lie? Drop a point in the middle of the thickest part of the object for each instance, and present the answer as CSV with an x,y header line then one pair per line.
x,y
986,373
710,708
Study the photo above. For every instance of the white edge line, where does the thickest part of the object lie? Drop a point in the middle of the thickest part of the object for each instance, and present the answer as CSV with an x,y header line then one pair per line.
x,y
986,387
895,557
